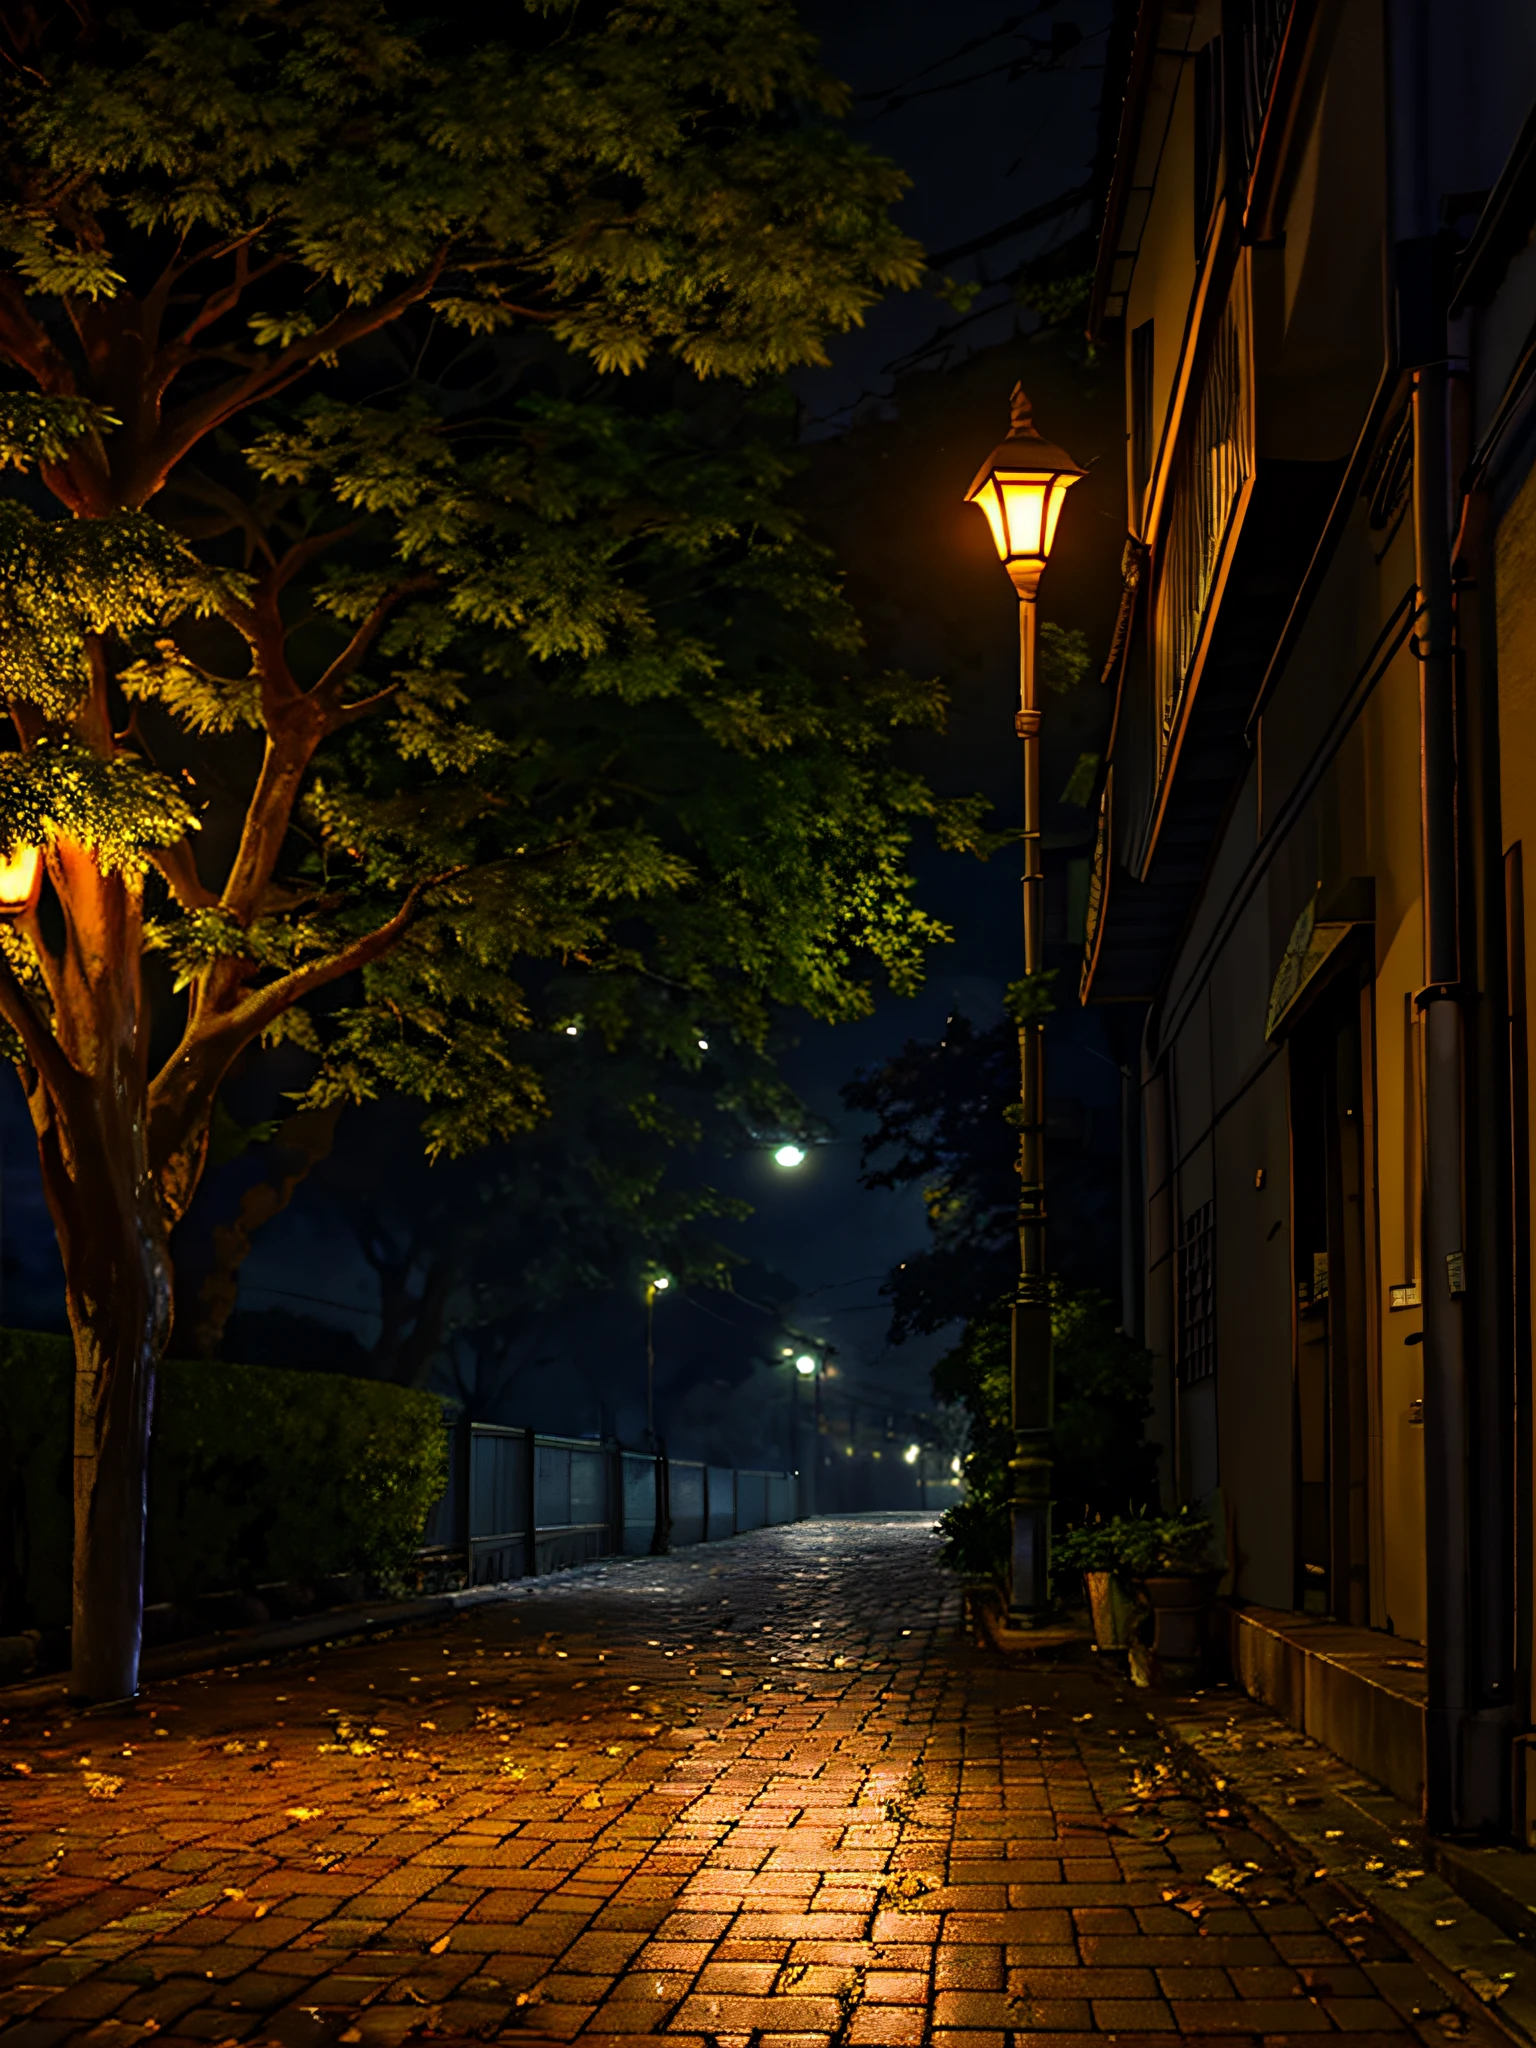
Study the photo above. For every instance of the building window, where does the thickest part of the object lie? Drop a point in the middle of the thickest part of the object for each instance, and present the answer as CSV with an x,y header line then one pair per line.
x,y
1208,123
1197,1296
1141,417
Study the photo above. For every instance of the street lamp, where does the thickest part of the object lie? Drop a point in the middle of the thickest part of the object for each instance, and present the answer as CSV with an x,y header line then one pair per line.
x,y
789,1157
807,1367
657,1284
21,873
1021,488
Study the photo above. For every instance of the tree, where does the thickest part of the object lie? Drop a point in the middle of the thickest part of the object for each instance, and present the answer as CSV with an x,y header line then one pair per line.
x,y
365,633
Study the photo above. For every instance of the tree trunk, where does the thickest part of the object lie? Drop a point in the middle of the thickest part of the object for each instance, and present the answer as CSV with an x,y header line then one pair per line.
x,y
117,1280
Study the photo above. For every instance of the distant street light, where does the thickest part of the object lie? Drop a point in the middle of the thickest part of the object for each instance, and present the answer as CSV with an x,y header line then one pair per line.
x,y
912,1453
1021,487
789,1157
807,1367
657,1284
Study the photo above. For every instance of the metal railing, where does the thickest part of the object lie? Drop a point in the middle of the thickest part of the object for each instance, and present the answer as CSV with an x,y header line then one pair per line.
x,y
1211,468
519,1503
1260,27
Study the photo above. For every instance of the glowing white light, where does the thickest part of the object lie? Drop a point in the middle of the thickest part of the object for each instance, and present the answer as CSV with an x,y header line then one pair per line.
x,y
805,1365
789,1156
954,1466
703,1045
662,1282
912,1453
573,1030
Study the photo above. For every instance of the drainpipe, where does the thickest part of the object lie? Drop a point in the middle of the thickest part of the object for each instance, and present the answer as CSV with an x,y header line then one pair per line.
x,y
1471,1655
1448,1589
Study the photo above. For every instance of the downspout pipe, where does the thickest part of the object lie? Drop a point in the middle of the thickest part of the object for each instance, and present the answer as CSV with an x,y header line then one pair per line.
x,y
1448,1588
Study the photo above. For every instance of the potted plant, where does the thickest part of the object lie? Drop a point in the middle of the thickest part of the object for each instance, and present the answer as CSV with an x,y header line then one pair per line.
x,y
1094,1550
1170,1556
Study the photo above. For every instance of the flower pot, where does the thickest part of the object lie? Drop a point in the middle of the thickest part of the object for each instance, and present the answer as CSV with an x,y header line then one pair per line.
x,y
1181,1607
1113,1608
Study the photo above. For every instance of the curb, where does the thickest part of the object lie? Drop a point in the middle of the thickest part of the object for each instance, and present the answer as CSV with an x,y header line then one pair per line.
x,y
1364,1840
336,1624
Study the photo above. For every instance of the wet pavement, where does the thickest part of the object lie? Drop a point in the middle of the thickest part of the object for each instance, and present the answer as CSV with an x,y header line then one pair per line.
x,y
764,1792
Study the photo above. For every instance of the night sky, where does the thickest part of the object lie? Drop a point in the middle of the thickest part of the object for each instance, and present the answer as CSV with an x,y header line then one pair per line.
x,y
991,112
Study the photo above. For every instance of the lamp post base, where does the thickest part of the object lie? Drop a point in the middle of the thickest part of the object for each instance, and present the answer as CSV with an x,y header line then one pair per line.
x,y
1029,1590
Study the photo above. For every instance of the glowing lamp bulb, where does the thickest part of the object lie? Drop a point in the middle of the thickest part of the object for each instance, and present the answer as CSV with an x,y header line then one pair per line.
x,y
19,878
912,1453
1021,487
662,1282
805,1365
789,1157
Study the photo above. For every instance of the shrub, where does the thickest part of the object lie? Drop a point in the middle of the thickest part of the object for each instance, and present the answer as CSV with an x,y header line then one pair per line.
x,y
1103,1461
255,1475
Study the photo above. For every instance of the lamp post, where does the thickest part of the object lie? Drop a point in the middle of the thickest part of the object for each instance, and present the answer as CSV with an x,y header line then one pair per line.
x,y
657,1284
1021,488
808,1367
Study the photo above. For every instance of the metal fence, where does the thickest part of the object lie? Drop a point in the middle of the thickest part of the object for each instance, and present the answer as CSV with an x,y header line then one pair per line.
x,y
519,1503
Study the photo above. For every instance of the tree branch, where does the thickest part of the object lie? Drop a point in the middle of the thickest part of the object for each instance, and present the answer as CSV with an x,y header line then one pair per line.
x,y
42,1048
326,691
177,866
181,1094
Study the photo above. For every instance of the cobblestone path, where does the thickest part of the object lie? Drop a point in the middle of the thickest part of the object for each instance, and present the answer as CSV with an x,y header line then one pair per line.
x,y
761,1793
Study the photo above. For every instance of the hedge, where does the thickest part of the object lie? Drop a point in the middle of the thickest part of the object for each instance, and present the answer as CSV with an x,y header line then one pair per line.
x,y
256,1475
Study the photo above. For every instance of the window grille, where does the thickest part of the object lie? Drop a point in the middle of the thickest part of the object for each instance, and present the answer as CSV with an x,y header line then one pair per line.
x,y
1197,1296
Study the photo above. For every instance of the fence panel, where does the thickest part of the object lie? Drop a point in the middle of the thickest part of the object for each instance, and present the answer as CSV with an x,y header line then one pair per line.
x,y
639,1503
722,1502
498,1505
540,1504
687,1482
751,1500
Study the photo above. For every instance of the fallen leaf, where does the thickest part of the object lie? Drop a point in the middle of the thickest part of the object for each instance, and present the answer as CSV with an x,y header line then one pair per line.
x,y
592,1799
1482,1986
430,1724
233,1891
304,1812
795,1974
439,1945
906,1890
1227,1877
100,1786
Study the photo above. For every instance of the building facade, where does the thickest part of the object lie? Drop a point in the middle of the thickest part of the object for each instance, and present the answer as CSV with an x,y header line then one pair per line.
x,y
1315,814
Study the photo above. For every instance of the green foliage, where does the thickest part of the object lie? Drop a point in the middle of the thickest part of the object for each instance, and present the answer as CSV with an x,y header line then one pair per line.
x,y
118,809
1079,786
1090,1547
256,1475
1103,1462
1055,300
1063,657
417,478
1029,1000
1135,1546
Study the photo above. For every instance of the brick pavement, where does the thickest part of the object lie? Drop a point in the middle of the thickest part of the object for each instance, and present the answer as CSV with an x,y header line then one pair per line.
x,y
764,1793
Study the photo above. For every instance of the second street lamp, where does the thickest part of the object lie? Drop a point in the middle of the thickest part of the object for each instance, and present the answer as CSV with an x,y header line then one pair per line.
x,y
1021,487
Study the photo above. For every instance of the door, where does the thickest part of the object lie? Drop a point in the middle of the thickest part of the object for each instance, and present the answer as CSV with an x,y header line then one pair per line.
x,y
1328,1193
